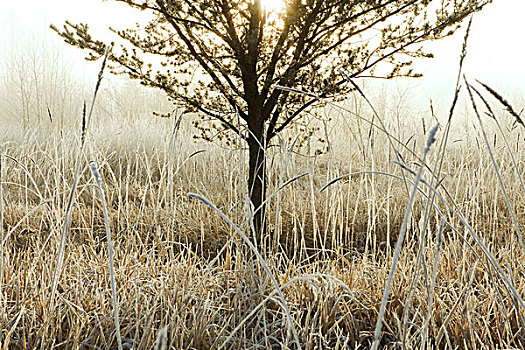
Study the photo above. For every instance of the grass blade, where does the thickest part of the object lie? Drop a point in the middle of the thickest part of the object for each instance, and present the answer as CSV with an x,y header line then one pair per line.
x,y
400,241
110,253
261,260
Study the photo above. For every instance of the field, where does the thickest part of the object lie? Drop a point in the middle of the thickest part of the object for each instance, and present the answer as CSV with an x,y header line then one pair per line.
x,y
187,279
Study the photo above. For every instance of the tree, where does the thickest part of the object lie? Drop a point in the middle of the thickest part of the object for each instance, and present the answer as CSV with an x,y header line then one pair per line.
x,y
236,63
36,82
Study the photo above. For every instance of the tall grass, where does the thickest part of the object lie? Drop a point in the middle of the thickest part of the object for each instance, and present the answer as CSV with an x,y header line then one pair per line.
x,y
168,274
367,252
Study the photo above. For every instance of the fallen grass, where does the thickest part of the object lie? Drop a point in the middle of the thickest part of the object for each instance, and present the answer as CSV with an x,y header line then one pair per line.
x,y
332,263
348,256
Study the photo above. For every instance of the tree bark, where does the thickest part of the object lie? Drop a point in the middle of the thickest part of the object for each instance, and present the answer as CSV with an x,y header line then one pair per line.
x,y
257,178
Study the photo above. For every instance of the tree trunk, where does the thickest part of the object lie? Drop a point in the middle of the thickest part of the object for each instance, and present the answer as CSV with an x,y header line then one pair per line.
x,y
257,178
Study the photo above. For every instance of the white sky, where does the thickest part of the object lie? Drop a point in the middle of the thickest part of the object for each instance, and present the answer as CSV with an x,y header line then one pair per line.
x,y
496,53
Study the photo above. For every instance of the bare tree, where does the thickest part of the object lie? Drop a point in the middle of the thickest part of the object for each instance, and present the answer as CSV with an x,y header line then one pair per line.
x,y
36,81
235,62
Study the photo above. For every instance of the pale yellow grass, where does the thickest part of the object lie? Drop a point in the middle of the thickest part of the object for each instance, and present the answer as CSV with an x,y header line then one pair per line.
x,y
332,262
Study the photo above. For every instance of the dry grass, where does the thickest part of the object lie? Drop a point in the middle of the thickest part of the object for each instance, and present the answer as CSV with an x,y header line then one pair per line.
x,y
384,233
335,253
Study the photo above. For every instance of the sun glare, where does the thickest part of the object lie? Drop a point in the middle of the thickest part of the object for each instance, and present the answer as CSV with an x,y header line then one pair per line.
x,y
272,5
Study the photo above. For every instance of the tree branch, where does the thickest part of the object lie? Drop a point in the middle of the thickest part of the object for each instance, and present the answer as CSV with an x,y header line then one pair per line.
x,y
197,56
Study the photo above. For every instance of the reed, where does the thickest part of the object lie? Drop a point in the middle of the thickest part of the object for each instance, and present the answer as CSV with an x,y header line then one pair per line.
x,y
383,240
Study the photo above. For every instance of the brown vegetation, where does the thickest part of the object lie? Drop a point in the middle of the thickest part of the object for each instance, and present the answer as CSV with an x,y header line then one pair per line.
x,y
334,258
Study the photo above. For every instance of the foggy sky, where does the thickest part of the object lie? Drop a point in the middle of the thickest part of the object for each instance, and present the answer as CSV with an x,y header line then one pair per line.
x,y
495,52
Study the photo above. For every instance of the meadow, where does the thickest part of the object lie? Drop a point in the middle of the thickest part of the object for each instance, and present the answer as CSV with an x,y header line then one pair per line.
x,y
435,223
